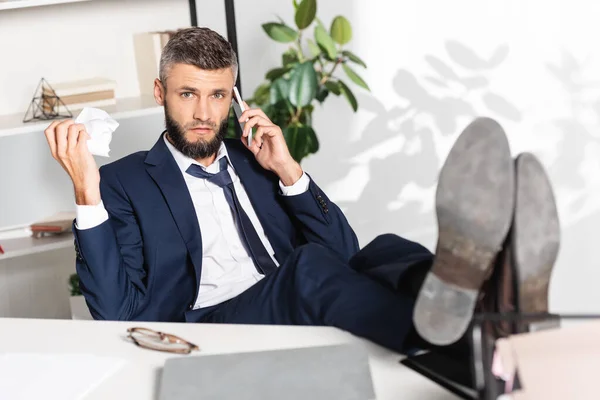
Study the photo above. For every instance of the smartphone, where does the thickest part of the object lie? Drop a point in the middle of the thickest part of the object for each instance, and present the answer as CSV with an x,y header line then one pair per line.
x,y
238,108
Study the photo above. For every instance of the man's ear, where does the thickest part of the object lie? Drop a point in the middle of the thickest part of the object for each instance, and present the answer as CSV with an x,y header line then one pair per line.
x,y
159,92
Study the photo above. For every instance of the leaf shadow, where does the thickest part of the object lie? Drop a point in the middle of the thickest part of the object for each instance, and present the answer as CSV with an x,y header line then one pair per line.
x,y
578,183
385,180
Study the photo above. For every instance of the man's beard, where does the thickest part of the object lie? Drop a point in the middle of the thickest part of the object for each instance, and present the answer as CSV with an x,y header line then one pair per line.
x,y
201,148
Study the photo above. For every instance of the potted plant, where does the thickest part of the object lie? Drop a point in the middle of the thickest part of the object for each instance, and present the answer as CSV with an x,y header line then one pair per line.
x,y
308,74
79,308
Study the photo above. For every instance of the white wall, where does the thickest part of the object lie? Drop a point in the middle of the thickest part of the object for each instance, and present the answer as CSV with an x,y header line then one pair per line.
x,y
433,66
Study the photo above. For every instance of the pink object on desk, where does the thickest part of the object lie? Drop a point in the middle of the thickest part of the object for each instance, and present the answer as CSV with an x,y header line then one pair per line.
x,y
556,364
503,367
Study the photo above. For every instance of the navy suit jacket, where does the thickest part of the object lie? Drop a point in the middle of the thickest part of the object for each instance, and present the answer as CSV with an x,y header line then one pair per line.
x,y
145,262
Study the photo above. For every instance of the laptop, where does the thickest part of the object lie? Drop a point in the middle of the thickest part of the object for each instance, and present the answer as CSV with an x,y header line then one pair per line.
x,y
338,372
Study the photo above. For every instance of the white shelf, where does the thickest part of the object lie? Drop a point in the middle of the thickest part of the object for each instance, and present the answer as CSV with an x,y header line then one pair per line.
x,y
129,107
29,245
13,4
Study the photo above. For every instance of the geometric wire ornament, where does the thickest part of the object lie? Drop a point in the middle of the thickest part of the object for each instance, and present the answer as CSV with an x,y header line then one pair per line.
x,y
45,104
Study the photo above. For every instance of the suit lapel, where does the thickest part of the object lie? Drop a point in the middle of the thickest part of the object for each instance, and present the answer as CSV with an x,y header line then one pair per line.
x,y
163,169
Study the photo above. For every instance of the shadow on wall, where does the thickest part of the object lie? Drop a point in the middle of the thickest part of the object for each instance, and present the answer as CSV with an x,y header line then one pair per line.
x,y
392,169
576,168
575,172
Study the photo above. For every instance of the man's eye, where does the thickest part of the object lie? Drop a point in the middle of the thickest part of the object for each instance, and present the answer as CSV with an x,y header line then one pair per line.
x,y
187,95
219,95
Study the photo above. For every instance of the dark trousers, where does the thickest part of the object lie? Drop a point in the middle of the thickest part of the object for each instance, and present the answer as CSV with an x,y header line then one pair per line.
x,y
372,295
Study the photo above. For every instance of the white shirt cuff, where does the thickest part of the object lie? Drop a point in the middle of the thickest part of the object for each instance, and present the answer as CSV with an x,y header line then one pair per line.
x,y
297,188
88,217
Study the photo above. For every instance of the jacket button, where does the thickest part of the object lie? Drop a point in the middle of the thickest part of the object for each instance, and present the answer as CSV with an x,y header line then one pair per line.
x,y
190,306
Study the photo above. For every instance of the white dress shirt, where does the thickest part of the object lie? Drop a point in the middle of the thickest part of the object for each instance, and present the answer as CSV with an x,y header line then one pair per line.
x,y
227,267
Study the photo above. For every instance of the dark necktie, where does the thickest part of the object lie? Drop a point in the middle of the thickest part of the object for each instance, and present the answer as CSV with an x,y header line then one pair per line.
x,y
263,262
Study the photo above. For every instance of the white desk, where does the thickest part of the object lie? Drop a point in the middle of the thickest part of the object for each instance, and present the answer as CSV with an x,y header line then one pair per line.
x,y
138,379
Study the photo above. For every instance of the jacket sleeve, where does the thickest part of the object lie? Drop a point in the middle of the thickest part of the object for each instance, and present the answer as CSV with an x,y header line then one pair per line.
x,y
321,221
110,261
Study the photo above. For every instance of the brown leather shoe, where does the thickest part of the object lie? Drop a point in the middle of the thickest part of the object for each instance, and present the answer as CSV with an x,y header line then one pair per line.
x,y
474,206
498,293
521,277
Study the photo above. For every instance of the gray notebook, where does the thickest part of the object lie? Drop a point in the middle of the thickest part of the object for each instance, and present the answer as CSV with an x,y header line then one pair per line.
x,y
338,372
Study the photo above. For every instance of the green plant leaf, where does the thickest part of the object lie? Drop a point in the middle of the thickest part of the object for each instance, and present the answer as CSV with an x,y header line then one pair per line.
x,y
341,31
333,87
305,13
303,84
280,32
276,73
296,141
280,91
295,4
322,94
306,115
74,285
231,125
355,77
325,54
313,48
349,95
354,58
326,42
289,57
313,141
301,140
262,93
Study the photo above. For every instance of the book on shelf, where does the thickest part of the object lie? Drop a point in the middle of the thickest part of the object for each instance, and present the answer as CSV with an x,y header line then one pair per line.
x,y
56,224
95,92
76,100
79,106
81,86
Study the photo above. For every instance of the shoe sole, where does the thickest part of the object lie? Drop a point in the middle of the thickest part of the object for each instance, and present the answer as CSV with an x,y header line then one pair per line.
x,y
474,206
536,234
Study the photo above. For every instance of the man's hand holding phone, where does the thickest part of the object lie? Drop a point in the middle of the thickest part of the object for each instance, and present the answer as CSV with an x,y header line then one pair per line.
x,y
268,146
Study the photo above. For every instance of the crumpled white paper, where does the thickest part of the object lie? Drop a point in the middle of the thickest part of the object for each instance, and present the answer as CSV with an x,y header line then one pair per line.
x,y
100,127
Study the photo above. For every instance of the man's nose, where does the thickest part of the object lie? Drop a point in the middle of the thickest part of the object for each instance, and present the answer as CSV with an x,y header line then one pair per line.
x,y
201,112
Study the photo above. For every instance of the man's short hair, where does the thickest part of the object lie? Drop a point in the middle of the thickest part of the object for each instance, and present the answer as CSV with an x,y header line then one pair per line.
x,y
201,47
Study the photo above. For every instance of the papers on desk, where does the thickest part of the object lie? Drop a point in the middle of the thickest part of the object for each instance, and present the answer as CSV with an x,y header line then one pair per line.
x,y
53,376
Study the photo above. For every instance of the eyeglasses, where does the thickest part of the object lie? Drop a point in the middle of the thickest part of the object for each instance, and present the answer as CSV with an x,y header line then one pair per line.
x,y
153,340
